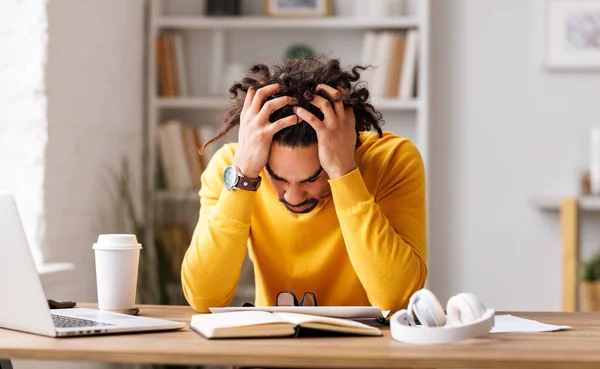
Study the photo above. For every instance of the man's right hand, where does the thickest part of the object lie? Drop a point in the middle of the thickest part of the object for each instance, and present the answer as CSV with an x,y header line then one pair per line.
x,y
256,132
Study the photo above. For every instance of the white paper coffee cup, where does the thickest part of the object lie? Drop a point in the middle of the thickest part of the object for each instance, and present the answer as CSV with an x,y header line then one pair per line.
x,y
117,261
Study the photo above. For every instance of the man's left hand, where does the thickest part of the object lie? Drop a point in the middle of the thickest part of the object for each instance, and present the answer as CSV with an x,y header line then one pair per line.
x,y
336,133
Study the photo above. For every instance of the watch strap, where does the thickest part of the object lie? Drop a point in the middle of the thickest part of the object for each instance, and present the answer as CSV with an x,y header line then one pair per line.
x,y
248,184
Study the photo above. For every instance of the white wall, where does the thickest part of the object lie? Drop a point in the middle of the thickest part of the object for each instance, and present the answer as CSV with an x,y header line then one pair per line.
x,y
23,121
95,92
503,129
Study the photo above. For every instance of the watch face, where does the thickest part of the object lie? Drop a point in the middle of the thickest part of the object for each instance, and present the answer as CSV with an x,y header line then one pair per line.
x,y
230,177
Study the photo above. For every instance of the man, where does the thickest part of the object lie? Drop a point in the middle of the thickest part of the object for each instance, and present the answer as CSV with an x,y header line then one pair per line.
x,y
341,213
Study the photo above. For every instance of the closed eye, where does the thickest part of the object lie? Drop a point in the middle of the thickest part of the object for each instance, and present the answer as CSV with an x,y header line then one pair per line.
x,y
274,176
312,179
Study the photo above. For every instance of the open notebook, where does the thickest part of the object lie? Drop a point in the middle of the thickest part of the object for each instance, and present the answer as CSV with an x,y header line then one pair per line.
x,y
267,324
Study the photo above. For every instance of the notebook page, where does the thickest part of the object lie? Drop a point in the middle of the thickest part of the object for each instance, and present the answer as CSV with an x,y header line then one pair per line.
x,y
303,318
234,319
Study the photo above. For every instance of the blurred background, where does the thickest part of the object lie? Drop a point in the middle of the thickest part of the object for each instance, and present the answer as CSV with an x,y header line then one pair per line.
x,y
103,104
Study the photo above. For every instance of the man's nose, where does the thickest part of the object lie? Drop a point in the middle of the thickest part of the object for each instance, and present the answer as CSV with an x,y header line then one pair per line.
x,y
294,194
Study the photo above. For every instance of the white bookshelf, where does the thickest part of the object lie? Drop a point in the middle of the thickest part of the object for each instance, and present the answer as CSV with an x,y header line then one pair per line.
x,y
212,42
220,103
218,34
191,103
262,23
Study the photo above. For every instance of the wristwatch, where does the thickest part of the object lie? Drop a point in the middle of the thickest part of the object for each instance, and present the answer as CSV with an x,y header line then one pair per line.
x,y
233,179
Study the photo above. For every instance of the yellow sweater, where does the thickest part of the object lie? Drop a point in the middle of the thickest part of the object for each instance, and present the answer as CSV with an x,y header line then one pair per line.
x,y
364,244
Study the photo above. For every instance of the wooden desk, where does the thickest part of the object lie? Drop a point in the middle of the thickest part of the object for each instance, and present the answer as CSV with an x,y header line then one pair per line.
x,y
578,348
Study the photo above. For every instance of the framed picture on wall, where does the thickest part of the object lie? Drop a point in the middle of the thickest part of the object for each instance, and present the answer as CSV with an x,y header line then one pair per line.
x,y
572,34
298,8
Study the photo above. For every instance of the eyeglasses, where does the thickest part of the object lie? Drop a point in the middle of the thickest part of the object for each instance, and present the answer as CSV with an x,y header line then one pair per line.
x,y
287,298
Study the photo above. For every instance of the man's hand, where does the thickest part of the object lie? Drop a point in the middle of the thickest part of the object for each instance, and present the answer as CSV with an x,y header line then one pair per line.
x,y
256,132
336,133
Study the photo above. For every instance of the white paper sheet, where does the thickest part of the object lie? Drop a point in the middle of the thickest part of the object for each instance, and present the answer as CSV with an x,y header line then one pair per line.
x,y
513,324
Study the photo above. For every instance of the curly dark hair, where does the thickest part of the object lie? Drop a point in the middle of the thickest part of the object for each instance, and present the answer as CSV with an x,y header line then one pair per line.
x,y
299,78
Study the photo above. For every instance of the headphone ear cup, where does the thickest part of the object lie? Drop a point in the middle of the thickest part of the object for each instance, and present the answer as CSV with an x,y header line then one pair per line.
x,y
428,309
464,308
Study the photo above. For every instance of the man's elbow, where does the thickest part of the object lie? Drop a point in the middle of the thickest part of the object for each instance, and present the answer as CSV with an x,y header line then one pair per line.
x,y
196,303
417,283
199,306
404,289
202,302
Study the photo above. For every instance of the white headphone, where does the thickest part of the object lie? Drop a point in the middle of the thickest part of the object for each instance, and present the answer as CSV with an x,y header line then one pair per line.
x,y
467,318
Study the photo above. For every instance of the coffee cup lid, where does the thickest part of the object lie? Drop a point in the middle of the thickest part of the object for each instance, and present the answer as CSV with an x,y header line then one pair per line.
x,y
117,242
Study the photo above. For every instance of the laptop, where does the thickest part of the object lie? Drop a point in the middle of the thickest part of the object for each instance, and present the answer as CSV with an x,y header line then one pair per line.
x,y
23,305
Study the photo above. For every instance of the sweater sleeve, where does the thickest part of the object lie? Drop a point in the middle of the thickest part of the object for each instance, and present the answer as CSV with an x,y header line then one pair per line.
x,y
385,235
213,262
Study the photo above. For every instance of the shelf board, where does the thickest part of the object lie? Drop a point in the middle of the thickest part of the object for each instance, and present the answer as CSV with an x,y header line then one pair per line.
x,y
550,202
214,103
182,194
396,104
192,103
259,22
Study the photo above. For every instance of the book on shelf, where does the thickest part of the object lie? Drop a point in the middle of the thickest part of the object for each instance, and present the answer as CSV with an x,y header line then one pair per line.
x,y
383,50
191,145
267,324
171,66
393,55
181,162
173,155
410,65
179,157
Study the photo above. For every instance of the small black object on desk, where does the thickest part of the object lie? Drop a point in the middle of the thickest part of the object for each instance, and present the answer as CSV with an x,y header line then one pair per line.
x,y
133,311
67,304
61,304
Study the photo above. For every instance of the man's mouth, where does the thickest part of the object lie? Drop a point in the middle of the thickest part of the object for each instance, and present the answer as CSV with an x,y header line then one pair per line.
x,y
303,207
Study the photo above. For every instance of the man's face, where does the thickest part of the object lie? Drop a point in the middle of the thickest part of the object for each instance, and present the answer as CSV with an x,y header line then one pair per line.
x,y
297,176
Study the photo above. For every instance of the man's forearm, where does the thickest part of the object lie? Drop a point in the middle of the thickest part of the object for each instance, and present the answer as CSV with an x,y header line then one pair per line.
x,y
212,265
389,266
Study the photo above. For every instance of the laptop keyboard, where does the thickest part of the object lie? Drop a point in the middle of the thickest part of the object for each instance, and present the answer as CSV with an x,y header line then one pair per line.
x,y
68,322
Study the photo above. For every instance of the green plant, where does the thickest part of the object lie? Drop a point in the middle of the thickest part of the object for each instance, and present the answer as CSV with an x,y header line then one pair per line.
x,y
590,271
299,51
156,279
